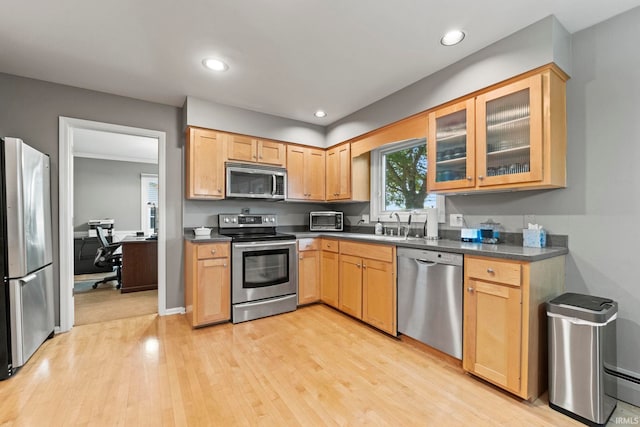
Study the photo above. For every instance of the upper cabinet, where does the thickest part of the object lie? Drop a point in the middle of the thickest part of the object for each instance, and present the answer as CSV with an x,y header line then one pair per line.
x,y
305,173
452,136
205,156
339,172
247,149
509,137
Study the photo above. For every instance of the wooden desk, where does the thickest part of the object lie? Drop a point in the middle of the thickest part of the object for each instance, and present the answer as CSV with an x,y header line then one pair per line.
x,y
139,264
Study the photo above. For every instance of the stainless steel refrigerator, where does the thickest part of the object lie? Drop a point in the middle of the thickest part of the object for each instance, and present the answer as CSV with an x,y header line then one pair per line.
x,y
26,300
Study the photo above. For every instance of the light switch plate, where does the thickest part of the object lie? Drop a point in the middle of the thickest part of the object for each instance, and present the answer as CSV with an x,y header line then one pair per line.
x,y
365,218
456,220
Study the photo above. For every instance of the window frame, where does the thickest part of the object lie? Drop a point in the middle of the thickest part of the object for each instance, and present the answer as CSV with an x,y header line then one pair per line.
x,y
145,180
377,184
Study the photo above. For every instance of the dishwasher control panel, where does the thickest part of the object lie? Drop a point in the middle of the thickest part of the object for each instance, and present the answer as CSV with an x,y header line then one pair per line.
x,y
431,256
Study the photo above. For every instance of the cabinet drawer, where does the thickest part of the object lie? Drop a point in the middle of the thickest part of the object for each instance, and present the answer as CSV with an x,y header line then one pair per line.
x,y
308,245
379,252
212,250
509,273
329,245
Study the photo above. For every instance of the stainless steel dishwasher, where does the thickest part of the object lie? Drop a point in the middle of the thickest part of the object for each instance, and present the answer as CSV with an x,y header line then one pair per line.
x,y
430,298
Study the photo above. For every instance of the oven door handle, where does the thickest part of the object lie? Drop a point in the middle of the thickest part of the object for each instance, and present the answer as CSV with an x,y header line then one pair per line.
x,y
262,244
275,185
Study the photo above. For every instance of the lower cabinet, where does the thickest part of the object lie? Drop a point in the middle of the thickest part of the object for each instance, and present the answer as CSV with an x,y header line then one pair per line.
x,y
368,288
329,273
505,332
207,289
308,271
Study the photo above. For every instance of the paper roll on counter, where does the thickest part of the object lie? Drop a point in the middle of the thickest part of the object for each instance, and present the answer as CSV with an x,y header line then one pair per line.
x,y
432,223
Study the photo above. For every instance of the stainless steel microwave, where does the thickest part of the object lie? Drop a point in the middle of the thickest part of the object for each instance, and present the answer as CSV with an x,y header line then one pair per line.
x,y
255,182
325,221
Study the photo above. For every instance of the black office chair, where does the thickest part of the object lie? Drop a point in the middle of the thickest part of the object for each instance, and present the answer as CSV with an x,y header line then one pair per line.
x,y
106,257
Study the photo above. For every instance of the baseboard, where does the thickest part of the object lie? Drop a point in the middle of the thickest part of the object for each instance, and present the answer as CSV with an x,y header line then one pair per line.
x,y
174,310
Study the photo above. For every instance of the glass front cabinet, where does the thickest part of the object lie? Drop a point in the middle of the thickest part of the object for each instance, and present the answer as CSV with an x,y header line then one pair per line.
x,y
451,130
510,137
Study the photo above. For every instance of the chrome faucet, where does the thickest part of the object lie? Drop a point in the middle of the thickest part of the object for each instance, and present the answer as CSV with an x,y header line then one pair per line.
x,y
398,219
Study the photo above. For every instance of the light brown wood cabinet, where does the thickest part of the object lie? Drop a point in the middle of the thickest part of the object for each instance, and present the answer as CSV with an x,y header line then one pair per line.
x,y
308,271
510,136
305,173
205,157
248,149
329,273
338,172
207,288
368,288
505,321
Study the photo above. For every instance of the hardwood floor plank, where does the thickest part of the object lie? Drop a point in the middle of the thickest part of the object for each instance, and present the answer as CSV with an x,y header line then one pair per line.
x,y
314,366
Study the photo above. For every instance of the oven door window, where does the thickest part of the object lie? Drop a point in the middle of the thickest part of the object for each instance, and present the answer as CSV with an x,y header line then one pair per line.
x,y
265,268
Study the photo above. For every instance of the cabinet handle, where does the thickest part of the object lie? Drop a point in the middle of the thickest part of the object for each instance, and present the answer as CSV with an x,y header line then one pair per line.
x,y
261,157
481,177
490,270
224,265
300,256
358,265
219,190
364,265
468,178
213,251
470,289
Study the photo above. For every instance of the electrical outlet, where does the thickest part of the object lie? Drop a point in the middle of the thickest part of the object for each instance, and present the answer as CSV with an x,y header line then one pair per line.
x,y
456,220
365,218
529,219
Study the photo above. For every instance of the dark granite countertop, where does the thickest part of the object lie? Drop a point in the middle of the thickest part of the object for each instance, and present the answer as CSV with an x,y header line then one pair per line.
x,y
500,250
213,238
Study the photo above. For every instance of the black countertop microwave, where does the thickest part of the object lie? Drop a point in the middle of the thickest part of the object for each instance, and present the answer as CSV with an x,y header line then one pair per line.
x,y
325,221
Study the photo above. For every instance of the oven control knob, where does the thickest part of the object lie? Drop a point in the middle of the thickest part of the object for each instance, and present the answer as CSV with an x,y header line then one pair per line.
x,y
234,220
226,220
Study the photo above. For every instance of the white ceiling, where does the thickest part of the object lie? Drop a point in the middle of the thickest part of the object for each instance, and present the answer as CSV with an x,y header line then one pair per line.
x,y
286,57
96,144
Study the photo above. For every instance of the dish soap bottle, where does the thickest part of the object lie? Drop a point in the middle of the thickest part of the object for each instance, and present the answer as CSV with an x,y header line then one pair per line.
x,y
378,229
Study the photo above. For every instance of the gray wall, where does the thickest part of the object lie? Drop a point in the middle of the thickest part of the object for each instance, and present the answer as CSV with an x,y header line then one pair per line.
x,y
600,208
538,44
29,109
107,189
232,119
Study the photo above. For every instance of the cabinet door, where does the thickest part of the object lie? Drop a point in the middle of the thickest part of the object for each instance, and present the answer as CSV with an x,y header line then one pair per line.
x,y
296,172
339,172
213,291
493,337
351,285
451,147
509,132
314,174
241,147
329,278
308,277
271,152
205,158
379,295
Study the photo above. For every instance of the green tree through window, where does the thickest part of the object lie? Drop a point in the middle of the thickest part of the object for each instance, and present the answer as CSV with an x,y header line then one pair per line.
x,y
405,178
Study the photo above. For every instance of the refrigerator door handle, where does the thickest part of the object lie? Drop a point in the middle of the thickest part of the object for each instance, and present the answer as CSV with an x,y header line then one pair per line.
x,y
28,278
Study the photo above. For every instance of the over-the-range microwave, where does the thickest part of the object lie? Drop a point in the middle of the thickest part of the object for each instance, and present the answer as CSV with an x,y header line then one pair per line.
x,y
325,221
255,182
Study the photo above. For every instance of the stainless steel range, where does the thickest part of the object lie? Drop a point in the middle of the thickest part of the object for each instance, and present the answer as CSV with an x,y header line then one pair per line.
x,y
264,266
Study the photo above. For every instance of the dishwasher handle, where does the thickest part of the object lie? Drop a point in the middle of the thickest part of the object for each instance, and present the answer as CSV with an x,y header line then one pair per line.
x,y
425,262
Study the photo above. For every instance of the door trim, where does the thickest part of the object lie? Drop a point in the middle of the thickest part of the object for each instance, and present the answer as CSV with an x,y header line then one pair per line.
x,y
65,211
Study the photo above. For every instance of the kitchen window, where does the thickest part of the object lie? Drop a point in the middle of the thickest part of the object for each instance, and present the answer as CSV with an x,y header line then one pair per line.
x,y
399,181
149,202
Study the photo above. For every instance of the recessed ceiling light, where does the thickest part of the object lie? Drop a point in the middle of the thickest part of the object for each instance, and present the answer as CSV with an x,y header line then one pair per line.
x,y
452,37
215,64
320,114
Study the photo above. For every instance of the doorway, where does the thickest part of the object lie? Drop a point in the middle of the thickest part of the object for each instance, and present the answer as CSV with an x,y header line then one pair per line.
x,y
71,136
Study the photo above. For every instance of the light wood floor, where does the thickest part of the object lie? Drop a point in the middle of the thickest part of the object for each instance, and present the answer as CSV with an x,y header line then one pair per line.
x,y
310,367
108,303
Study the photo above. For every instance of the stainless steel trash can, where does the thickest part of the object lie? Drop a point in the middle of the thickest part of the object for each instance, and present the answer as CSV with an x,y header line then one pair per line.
x,y
582,330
